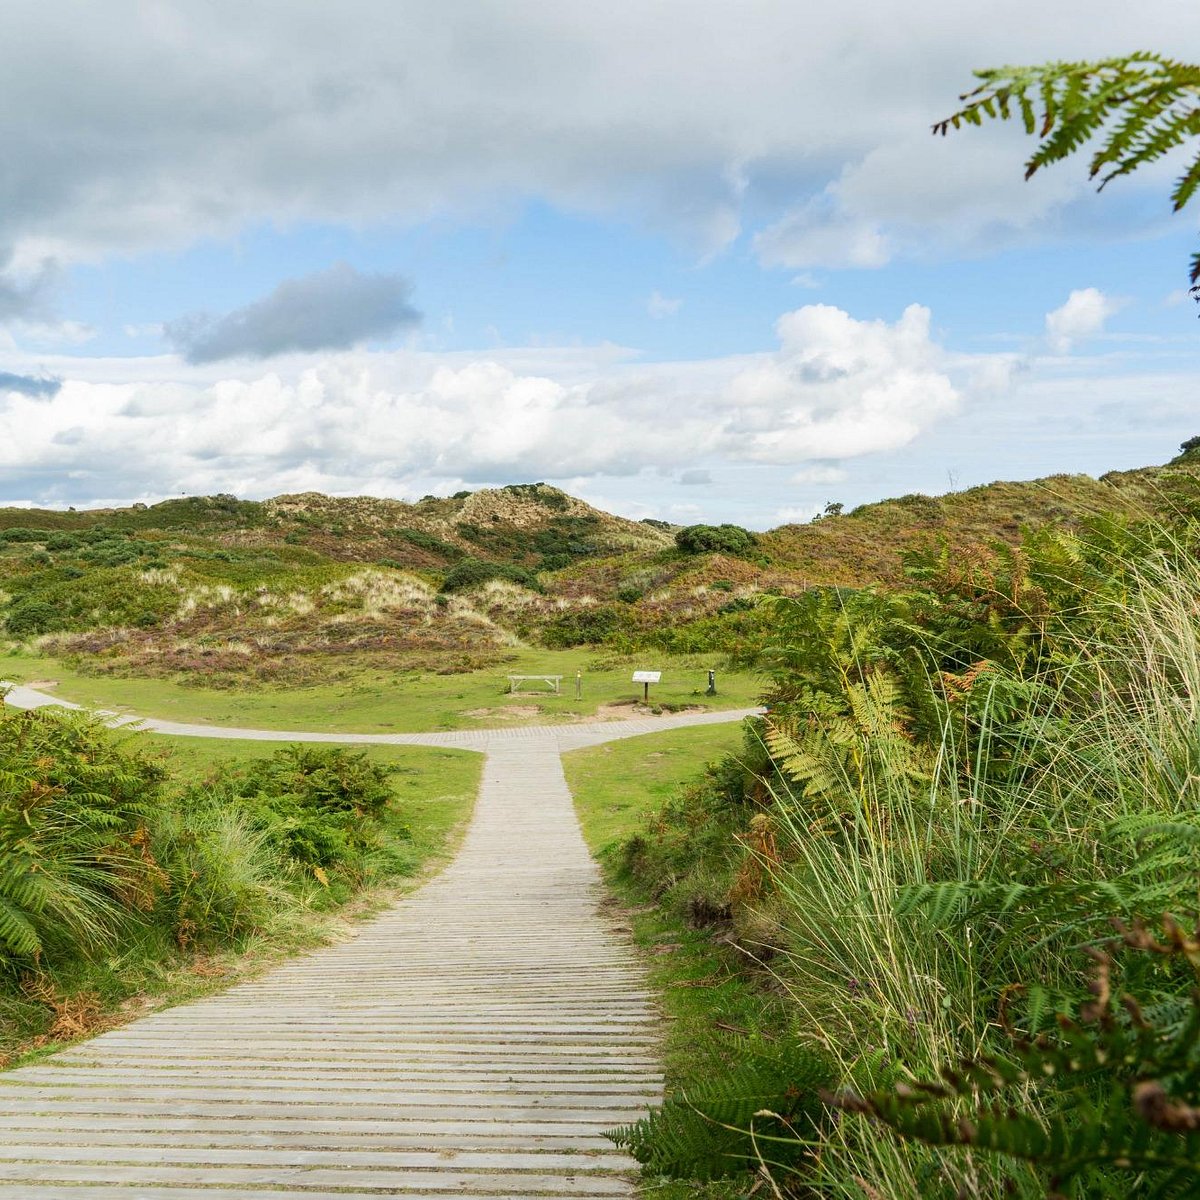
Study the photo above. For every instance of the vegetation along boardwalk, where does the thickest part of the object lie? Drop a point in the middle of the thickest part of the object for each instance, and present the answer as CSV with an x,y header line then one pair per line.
x,y
475,1040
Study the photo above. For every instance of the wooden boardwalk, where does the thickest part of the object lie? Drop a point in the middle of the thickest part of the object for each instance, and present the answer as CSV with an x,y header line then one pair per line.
x,y
474,1041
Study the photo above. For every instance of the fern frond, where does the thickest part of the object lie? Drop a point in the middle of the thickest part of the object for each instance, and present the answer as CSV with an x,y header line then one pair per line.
x,y
1140,107
716,1129
1122,1090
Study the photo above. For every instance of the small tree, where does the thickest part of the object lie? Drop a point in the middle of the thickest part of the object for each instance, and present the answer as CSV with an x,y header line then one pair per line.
x,y
719,539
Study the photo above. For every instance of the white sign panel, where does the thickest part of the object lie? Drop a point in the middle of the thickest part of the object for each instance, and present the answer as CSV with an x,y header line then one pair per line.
x,y
647,676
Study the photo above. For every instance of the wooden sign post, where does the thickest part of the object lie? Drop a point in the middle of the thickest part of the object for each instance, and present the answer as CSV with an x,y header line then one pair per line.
x,y
646,678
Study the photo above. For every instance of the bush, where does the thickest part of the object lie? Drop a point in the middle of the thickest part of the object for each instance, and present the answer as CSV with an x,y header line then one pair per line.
x,y
715,539
583,626
29,618
472,572
1189,451
75,861
64,598
318,807
971,781
426,541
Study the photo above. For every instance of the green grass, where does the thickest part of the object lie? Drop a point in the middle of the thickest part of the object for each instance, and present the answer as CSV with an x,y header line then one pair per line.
x,y
379,702
706,996
620,785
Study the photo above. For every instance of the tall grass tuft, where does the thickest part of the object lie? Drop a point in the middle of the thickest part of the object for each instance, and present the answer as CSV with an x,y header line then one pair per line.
x,y
974,788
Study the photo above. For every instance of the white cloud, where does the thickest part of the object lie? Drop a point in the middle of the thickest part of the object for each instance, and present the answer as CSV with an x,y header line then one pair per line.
x,y
818,473
822,234
1081,317
836,387
841,387
917,196
659,306
136,126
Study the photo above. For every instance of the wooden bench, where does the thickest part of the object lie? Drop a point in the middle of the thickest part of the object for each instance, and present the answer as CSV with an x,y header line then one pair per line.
x,y
553,681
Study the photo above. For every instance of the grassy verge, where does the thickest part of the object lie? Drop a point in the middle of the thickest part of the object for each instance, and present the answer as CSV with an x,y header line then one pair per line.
x,y
433,793
383,702
707,997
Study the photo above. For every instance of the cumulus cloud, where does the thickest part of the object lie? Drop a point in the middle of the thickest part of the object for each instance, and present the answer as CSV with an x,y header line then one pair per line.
x,y
29,385
835,387
695,477
328,310
1081,317
840,387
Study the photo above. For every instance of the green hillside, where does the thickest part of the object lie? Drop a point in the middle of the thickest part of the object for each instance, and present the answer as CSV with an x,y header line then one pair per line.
x,y
289,589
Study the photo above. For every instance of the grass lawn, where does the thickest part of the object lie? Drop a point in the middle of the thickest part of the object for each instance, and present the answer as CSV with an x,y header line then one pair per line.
x,y
387,703
619,785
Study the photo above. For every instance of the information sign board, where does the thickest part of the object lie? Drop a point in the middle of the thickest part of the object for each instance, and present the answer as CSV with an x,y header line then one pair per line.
x,y
647,676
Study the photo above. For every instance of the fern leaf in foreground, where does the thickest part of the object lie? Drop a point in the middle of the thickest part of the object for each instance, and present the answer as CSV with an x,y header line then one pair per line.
x,y
1117,1090
764,1111
1136,108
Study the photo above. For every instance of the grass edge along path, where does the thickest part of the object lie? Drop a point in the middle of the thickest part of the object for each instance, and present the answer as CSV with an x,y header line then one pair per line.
x,y
704,993
379,702
436,789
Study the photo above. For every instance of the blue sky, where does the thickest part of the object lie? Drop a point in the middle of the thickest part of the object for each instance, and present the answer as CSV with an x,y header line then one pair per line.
x,y
697,261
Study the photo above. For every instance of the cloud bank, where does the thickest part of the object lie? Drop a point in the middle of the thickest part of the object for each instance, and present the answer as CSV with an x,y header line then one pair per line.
x,y
135,126
328,310
401,422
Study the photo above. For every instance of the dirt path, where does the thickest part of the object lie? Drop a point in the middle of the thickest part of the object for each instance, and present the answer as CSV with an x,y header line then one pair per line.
x,y
473,1041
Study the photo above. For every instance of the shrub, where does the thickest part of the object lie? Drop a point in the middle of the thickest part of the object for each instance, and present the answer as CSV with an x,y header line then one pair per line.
x,y
471,572
1189,451
718,539
59,599
972,781
75,860
29,618
427,541
583,626
318,807
225,875
19,534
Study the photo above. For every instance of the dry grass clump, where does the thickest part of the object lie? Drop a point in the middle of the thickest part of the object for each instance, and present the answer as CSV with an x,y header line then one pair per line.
x,y
379,592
